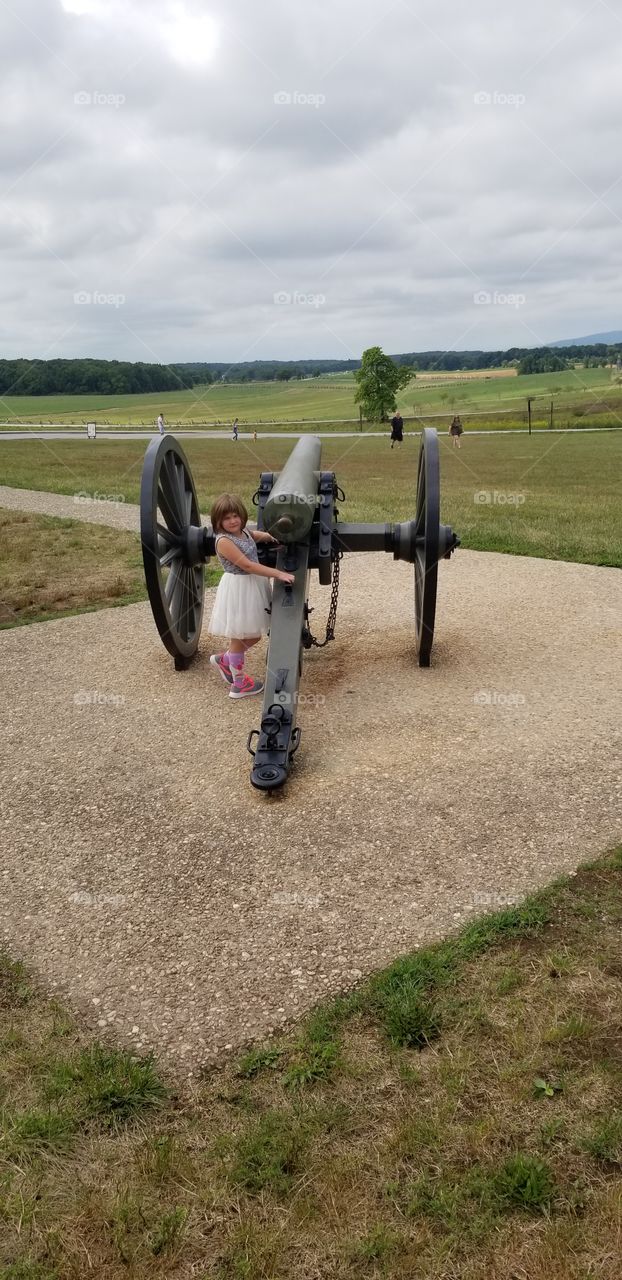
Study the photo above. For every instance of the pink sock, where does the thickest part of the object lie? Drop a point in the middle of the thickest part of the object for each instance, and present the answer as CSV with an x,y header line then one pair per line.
x,y
236,666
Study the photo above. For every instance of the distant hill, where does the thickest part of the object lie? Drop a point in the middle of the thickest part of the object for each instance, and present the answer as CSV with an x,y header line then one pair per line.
x,y
614,336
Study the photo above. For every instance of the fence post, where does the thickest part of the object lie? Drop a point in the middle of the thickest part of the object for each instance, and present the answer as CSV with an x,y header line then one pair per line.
x,y
551,422
529,399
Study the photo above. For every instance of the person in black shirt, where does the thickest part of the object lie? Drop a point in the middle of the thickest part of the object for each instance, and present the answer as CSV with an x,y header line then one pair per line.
x,y
397,428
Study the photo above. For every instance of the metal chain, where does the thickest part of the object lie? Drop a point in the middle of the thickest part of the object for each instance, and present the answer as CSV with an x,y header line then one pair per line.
x,y
332,612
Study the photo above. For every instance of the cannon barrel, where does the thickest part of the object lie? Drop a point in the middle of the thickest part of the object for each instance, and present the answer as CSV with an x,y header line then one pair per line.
x,y
288,513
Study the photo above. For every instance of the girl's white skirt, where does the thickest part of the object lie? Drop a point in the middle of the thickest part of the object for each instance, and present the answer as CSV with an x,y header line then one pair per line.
x,y
240,606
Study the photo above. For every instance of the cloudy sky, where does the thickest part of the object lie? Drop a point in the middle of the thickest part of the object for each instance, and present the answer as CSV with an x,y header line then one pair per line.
x,y
185,179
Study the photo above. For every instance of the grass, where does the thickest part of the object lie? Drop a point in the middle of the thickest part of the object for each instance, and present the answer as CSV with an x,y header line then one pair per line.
x,y
50,568
316,398
584,388
108,1084
257,1060
54,568
349,1147
605,1142
269,1154
475,1203
328,398
556,497
404,997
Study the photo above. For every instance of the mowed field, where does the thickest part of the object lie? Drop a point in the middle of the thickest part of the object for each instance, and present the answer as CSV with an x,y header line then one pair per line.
x,y
555,496
591,392
220,403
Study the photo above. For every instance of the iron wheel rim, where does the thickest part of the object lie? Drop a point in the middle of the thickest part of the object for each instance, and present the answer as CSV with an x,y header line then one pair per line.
x,y
427,527
168,509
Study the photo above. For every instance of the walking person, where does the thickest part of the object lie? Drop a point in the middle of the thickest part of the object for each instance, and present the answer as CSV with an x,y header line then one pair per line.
x,y
397,428
456,430
235,429
243,597
161,424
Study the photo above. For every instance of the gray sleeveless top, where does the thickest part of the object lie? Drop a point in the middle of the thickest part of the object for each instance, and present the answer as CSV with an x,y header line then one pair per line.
x,y
246,544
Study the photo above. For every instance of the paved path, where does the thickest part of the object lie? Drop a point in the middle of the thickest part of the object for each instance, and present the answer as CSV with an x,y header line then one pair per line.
x,y
198,434
118,515
181,911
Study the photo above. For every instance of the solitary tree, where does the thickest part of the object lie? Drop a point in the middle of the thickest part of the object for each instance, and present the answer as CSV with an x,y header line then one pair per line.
x,y
379,378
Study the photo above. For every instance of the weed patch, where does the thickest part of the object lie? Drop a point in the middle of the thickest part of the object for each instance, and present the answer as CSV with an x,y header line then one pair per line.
x,y
110,1085
605,1141
269,1155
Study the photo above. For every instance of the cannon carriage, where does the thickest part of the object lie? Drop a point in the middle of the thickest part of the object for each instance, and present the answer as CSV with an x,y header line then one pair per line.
x,y
298,506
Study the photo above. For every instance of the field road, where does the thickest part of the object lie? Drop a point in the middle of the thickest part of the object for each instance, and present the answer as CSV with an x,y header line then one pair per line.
x,y
181,911
128,434
122,434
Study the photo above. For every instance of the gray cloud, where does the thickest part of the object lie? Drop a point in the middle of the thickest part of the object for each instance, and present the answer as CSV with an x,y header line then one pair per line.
x,y
394,160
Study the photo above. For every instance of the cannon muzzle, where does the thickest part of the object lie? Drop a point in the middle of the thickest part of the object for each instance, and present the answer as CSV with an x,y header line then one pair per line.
x,y
288,513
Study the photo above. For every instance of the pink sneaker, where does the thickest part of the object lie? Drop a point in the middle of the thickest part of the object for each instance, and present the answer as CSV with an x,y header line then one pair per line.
x,y
247,688
217,661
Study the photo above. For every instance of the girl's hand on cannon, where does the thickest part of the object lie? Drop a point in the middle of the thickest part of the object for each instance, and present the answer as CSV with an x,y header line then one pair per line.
x,y
284,577
260,535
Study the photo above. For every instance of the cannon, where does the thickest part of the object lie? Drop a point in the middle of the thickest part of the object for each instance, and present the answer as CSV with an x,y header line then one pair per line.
x,y
299,507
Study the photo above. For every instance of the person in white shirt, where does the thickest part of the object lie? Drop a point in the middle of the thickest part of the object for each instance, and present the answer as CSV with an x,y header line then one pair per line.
x,y
161,424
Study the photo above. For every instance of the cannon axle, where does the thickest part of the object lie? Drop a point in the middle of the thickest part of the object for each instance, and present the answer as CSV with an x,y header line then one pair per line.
x,y
400,539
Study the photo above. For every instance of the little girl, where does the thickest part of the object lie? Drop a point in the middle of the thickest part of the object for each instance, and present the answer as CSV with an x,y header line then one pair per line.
x,y
243,595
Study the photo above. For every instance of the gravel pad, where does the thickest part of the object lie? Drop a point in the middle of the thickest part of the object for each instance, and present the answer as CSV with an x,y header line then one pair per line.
x,y
183,912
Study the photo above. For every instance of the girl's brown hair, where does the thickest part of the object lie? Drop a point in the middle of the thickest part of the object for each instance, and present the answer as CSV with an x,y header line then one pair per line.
x,y
227,504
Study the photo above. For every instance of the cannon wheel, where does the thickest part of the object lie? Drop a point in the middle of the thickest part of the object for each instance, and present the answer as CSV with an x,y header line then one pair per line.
x,y
171,535
427,529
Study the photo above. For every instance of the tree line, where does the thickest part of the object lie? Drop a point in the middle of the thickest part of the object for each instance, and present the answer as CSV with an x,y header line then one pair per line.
x,y
599,353
119,377
267,370
82,377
